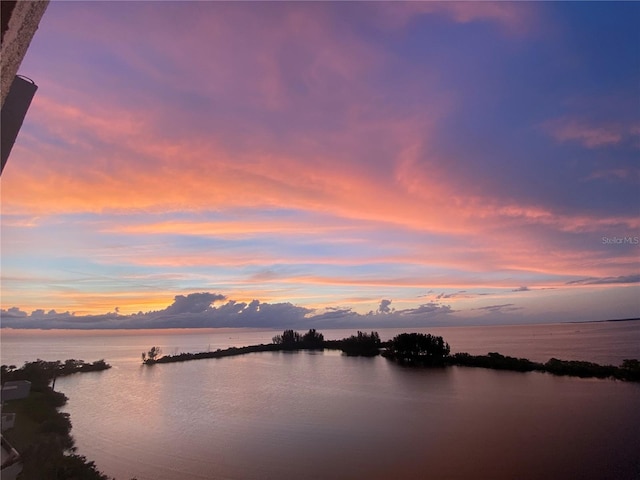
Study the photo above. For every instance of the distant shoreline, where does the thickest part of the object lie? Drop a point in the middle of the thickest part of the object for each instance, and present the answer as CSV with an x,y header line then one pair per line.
x,y
141,330
603,321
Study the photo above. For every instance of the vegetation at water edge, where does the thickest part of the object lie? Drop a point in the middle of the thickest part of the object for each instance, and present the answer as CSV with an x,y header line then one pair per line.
x,y
42,434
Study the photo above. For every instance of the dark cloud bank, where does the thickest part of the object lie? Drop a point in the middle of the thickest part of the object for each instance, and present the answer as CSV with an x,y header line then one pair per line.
x,y
207,310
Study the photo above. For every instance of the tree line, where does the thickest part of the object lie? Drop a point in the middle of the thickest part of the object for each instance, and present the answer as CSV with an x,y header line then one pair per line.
x,y
410,349
40,372
41,433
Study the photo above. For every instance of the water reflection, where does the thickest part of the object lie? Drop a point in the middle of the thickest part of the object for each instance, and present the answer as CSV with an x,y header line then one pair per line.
x,y
276,415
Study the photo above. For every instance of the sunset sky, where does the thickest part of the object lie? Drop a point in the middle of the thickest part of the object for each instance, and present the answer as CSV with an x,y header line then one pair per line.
x,y
383,163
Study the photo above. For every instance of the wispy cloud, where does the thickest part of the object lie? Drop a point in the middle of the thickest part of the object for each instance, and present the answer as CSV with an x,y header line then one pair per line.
x,y
623,279
586,133
513,18
502,308
629,174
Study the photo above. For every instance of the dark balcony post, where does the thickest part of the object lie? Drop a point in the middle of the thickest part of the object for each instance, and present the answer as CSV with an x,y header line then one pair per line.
x,y
13,112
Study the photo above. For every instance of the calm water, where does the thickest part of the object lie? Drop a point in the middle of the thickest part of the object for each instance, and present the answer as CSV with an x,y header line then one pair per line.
x,y
322,415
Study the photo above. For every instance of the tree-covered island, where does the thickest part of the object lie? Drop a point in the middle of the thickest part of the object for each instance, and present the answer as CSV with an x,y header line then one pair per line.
x,y
410,349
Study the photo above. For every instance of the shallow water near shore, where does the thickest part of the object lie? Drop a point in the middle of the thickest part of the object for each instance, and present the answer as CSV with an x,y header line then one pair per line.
x,y
322,415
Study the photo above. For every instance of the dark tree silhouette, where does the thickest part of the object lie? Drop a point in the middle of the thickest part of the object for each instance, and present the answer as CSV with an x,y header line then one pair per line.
x,y
288,339
495,361
152,356
362,344
630,369
313,339
418,349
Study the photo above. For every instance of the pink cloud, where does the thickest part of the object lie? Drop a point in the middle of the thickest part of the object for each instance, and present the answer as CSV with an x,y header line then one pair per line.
x,y
628,174
514,17
147,173
584,132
